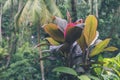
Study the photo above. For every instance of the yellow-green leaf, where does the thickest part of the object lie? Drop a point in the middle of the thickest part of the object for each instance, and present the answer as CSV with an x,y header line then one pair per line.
x,y
99,47
90,29
83,77
52,41
54,32
82,43
111,48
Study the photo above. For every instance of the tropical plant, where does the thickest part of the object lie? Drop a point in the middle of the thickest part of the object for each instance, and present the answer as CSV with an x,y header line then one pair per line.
x,y
113,64
86,38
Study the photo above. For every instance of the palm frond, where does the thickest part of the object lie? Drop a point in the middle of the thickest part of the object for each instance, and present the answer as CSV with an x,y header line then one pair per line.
x,y
53,8
45,14
8,4
35,11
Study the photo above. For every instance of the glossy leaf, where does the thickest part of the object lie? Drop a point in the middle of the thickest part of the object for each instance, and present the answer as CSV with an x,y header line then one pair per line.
x,y
111,48
99,47
52,41
90,29
54,32
82,43
83,77
65,70
73,33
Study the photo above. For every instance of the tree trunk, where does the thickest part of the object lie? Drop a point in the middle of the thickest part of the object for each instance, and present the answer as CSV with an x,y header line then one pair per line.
x,y
91,7
40,52
96,1
20,2
13,38
1,24
73,9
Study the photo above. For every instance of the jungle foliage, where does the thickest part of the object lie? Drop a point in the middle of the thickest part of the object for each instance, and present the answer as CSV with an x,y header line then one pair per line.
x,y
38,40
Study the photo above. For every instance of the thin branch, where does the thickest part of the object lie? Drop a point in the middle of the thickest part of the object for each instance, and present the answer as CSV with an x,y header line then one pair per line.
x,y
41,44
1,24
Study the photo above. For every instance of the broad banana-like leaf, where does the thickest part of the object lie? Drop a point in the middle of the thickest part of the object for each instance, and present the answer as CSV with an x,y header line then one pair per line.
x,y
54,32
90,29
111,48
82,43
52,41
65,70
99,47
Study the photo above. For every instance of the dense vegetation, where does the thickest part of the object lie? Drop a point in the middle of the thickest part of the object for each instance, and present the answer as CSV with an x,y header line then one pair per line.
x,y
29,29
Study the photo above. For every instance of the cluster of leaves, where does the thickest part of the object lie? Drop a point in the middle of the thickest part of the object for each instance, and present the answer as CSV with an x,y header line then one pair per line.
x,y
88,36
24,65
86,40
3,53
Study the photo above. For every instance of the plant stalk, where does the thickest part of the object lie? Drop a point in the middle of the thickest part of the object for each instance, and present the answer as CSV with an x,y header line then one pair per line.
x,y
40,53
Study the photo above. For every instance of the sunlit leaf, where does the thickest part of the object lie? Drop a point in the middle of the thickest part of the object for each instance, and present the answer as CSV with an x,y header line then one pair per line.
x,y
111,48
113,63
54,32
90,29
83,77
52,41
118,72
65,70
99,47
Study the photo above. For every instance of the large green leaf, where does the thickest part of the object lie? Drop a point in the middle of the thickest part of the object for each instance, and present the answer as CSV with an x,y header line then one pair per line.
x,y
83,77
99,47
54,32
65,70
90,29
